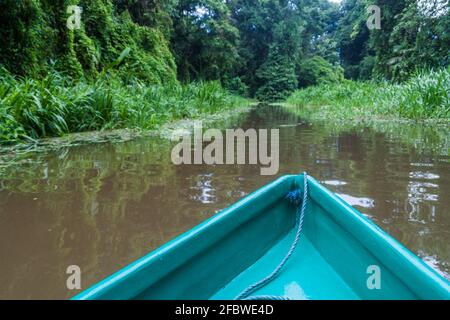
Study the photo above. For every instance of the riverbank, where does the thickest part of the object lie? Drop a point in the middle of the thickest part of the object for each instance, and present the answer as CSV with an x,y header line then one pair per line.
x,y
424,97
55,106
14,153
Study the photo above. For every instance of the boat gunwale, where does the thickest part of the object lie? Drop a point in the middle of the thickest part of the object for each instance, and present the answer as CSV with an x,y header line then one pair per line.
x,y
380,243
172,245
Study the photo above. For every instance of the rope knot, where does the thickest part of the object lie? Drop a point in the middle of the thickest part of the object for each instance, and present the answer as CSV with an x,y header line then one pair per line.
x,y
295,197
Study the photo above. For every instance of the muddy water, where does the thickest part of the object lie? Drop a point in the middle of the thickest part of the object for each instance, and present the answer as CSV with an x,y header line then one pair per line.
x,y
101,206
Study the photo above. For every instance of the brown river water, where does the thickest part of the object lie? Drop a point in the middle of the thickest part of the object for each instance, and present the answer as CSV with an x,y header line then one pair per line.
x,y
101,206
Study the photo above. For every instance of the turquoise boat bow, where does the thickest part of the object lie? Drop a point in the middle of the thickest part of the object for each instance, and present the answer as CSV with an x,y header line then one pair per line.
x,y
340,255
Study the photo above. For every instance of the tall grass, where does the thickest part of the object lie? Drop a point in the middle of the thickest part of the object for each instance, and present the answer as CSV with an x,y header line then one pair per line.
x,y
425,96
54,106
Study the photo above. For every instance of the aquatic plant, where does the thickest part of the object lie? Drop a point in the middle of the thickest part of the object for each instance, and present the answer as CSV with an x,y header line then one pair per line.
x,y
424,96
55,105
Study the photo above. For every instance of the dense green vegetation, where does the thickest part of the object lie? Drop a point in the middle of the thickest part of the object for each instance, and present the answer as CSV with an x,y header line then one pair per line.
x,y
277,38
36,40
425,96
273,47
413,35
57,80
117,71
54,106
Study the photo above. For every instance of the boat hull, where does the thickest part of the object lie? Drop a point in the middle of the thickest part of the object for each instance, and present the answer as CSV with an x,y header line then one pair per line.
x,y
341,255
